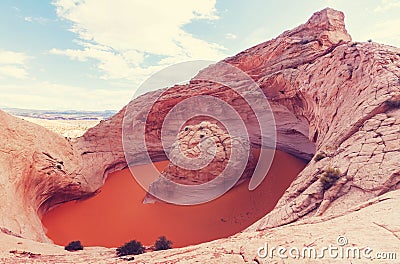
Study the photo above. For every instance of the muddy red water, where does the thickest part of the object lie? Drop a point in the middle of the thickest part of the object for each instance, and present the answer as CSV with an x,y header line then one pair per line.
x,y
116,214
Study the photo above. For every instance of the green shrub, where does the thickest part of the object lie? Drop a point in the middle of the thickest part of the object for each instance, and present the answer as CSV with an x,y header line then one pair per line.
x,y
128,258
131,248
393,103
321,155
329,177
162,243
304,41
74,245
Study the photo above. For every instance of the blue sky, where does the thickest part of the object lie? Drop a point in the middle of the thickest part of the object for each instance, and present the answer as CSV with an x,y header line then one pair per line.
x,y
93,55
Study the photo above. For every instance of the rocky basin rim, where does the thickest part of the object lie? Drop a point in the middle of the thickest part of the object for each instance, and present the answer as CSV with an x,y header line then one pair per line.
x,y
336,103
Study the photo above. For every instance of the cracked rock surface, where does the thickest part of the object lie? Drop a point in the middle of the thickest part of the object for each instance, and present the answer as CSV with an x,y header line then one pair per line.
x,y
203,153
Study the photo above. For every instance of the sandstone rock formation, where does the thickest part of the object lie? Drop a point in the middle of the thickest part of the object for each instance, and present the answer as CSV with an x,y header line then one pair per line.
x,y
329,96
200,154
38,169
367,225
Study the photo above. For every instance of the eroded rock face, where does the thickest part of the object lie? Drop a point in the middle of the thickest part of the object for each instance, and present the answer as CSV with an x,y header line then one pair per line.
x,y
211,159
352,119
38,169
200,154
328,95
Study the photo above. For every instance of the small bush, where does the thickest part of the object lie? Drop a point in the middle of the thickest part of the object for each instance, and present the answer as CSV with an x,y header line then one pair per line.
x,y
329,177
131,258
131,248
321,155
162,243
74,245
370,40
304,41
393,103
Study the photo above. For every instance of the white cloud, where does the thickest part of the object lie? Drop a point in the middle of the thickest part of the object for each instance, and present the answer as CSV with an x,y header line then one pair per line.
x,y
13,71
230,36
387,5
387,32
121,34
13,64
40,20
11,57
52,96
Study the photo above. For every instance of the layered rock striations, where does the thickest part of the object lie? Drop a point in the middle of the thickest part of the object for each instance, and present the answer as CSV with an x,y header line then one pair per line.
x,y
207,156
38,169
332,99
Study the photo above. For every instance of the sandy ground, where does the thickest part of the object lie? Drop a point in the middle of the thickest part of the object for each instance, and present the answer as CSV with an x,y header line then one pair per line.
x,y
66,128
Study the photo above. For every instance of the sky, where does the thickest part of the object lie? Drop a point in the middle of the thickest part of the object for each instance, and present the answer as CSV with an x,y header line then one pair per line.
x,y
94,54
